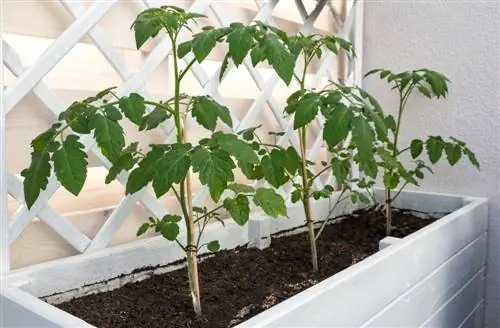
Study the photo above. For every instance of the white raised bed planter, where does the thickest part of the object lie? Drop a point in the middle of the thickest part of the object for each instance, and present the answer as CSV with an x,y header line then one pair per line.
x,y
432,278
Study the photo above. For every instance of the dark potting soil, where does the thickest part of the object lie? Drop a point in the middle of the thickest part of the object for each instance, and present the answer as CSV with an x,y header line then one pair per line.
x,y
238,284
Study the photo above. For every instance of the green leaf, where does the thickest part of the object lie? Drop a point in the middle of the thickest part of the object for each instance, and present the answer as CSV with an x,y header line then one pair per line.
x,y
206,111
423,90
133,107
215,169
70,164
279,58
154,119
224,66
340,169
142,229
203,43
416,148
143,174
453,153
239,208
109,136
171,218
435,146
36,176
240,42
183,49
270,201
306,110
146,27
471,156
213,246
171,168
273,166
241,188
112,113
292,160
296,196
380,127
363,137
257,55
391,180
125,162
170,231
242,151
337,126
390,123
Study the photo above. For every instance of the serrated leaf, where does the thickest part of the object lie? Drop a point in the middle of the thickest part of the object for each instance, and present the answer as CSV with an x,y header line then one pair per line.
x,y
36,176
242,151
133,107
203,43
224,66
423,90
453,153
240,42
292,160
435,146
213,246
170,231
70,164
272,203
124,163
340,169
391,180
337,126
183,49
379,123
390,123
206,111
416,148
472,157
241,188
215,169
239,208
112,113
171,218
142,229
144,173
273,166
296,196
279,58
109,136
363,137
171,168
154,119
257,55
306,110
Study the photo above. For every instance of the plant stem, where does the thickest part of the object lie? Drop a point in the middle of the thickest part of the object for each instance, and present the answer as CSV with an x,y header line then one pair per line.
x,y
185,193
403,98
305,183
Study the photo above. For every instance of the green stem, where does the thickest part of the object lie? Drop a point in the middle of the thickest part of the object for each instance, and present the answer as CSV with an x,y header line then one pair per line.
x,y
188,67
185,192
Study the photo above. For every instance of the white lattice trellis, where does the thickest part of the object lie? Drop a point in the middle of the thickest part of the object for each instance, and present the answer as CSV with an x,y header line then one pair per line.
x,y
85,20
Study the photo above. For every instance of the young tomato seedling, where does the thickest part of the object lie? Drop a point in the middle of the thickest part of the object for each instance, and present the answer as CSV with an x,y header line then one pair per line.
x,y
166,166
430,84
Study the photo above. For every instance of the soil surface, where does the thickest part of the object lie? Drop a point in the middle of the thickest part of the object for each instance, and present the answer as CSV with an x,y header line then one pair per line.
x,y
238,284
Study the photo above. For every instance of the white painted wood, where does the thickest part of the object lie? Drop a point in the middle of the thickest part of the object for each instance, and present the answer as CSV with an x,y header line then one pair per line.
x,y
438,270
259,232
387,241
475,319
22,310
55,53
452,313
4,218
434,290
385,274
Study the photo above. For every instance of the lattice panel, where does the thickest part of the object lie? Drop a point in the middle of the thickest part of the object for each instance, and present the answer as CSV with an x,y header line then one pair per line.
x,y
30,79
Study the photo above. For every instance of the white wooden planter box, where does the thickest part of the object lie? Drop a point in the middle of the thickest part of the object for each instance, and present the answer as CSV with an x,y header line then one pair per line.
x,y
432,278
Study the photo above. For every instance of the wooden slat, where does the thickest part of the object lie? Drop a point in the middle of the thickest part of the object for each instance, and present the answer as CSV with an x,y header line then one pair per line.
x,y
387,274
4,218
435,290
48,19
